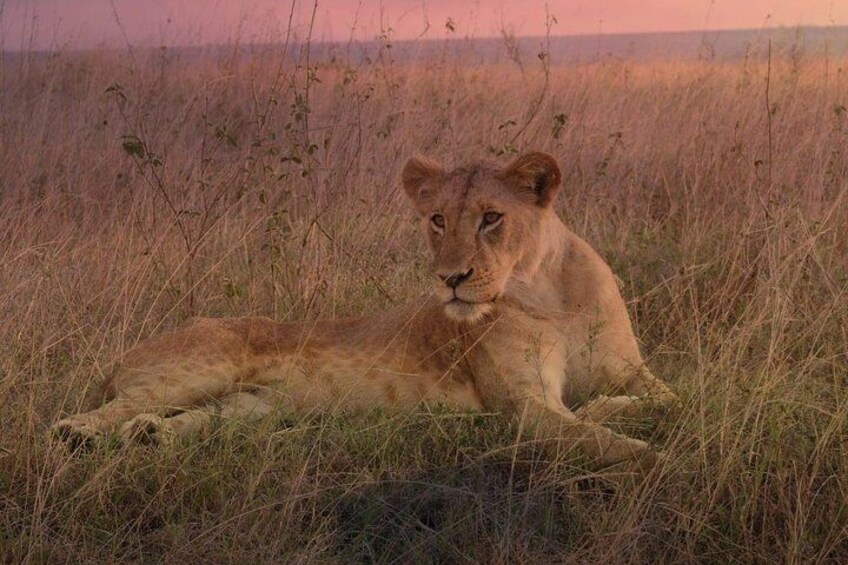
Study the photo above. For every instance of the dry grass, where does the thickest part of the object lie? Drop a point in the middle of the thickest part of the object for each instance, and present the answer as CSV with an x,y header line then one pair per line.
x,y
230,185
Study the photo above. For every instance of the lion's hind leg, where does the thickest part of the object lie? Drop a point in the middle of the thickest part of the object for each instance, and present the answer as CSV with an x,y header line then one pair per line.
x,y
82,430
165,375
243,406
143,392
143,405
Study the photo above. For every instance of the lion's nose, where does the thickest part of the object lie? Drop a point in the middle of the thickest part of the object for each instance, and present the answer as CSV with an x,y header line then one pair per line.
x,y
453,280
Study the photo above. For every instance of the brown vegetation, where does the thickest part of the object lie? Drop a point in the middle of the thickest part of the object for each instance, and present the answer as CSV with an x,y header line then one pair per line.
x,y
138,190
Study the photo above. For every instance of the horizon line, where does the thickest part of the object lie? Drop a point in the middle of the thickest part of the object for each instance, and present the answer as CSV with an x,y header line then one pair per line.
x,y
421,39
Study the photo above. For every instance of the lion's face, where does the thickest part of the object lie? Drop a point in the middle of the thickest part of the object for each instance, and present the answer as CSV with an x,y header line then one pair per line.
x,y
483,224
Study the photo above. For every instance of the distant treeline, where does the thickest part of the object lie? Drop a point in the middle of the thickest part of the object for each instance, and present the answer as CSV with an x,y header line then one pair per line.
x,y
722,45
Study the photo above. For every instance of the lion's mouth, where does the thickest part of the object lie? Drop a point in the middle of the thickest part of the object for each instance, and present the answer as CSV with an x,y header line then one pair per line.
x,y
466,310
457,300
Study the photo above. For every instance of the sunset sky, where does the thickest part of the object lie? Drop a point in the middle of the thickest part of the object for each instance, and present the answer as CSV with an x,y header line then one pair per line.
x,y
86,23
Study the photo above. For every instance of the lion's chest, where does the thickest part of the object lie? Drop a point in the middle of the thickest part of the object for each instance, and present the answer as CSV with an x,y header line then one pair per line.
x,y
561,353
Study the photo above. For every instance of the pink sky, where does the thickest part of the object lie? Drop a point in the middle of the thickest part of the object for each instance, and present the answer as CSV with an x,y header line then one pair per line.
x,y
85,23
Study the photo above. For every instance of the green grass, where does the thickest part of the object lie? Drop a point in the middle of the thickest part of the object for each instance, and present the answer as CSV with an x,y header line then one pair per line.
x,y
208,188
424,487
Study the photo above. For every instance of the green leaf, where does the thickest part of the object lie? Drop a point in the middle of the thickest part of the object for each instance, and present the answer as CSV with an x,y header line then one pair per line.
x,y
133,146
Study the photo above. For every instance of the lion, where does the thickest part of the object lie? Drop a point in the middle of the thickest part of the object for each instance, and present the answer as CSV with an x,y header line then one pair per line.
x,y
524,318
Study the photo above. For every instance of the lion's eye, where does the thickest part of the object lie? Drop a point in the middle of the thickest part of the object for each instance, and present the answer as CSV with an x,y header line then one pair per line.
x,y
438,221
490,220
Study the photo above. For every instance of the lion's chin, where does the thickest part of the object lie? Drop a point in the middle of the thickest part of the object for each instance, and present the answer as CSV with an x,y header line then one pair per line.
x,y
468,312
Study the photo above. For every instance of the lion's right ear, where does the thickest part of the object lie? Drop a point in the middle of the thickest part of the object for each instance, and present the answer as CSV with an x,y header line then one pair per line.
x,y
416,174
536,176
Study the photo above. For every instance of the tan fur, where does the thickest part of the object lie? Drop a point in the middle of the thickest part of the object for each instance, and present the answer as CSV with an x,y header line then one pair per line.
x,y
535,327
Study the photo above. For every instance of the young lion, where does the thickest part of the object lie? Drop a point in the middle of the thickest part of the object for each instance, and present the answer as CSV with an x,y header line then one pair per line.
x,y
524,318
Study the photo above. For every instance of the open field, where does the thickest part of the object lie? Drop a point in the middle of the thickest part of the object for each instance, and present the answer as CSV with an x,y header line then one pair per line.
x,y
137,190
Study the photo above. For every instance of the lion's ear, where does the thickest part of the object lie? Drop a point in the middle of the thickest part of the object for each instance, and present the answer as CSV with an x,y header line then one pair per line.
x,y
417,171
536,176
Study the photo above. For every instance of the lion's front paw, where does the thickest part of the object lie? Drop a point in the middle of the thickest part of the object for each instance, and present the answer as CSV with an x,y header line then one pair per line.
x,y
76,433
147,429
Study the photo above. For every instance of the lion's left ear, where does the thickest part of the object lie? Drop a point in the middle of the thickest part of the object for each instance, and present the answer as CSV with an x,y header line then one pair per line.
x,y
535,175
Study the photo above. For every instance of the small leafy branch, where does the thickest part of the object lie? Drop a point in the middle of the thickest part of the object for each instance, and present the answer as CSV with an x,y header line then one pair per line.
x,y
544,56
195,212
560,121
150,167
147,163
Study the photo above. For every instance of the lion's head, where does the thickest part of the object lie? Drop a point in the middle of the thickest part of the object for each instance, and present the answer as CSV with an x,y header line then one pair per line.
x,y
485,225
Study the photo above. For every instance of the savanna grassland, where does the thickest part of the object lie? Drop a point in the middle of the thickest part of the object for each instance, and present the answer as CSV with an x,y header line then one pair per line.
x,y
139,188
